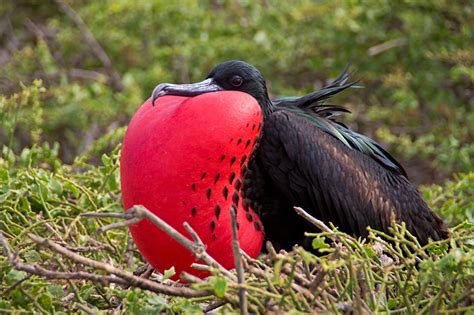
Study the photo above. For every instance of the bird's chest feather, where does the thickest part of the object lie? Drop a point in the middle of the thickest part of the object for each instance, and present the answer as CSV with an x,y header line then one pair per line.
x,y
183,160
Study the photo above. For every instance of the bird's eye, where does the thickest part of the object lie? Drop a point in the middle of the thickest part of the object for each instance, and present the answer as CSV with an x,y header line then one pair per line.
x,y
236,81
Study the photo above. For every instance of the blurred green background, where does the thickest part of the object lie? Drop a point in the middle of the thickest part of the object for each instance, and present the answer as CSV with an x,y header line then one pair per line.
x,y
415,59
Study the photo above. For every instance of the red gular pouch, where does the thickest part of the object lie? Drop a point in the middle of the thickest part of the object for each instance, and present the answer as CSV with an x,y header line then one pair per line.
x,y
183,159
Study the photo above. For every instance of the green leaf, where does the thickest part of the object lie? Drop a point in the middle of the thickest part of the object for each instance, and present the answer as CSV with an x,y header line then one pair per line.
x,y
187,307
56,291
319,243
87,291
25,156
437,249
106,159
14,276
169,273
32,256
391,304
157,303
220,286
45,301
369,251
55,186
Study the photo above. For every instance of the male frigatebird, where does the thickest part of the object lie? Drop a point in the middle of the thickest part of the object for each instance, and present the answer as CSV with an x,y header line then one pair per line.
x,y
208,147
306,158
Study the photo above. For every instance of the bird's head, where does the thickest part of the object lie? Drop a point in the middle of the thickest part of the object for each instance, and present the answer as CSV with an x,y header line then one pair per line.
x,y
231,75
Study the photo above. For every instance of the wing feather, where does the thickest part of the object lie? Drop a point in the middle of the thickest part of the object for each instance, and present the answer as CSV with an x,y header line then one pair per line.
x,y
337,184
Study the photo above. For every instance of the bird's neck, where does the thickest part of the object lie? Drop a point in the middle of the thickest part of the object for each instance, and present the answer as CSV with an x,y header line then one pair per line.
x,y
267,106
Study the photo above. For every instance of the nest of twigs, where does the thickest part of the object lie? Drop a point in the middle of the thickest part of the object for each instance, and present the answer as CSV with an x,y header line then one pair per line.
x,y
383,273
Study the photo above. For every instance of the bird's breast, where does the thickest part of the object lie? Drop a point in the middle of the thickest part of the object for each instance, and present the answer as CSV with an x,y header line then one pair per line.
x,y
183,159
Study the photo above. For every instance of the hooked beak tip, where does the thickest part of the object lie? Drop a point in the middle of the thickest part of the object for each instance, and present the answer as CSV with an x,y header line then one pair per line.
x,y
159,91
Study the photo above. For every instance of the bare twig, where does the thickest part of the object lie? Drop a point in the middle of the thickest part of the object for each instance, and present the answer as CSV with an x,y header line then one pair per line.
x,y
214,306
144,271
16,284
193,234
190,278
129,254
85,249
238,264
196,247
317,223
115,215
377,49
271,250
87,75
117,275
134,280
201,267
86,309
118,225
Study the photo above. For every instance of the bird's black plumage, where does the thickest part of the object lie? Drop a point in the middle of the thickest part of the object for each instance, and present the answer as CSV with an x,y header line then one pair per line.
x,y
307,158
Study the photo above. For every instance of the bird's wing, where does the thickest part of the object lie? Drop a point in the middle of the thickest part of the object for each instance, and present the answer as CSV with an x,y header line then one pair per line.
x,y
312,106
338,184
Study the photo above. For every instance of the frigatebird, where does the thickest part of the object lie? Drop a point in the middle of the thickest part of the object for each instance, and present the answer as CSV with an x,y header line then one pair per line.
x,y
306,157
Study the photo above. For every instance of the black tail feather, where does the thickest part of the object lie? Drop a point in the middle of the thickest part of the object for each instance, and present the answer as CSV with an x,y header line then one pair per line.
x,y
315,99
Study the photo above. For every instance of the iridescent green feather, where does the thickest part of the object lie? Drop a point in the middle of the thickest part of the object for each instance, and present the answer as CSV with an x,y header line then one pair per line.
x,y
312,108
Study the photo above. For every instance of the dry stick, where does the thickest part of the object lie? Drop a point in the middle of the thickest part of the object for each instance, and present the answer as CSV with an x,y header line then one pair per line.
x,y
319,279
238,264
287,270
197,247
40,271
148,272
115,215
16,284
129,253
201,267
324,228
118,225
134,280
193,234
129,277
317,223
271,250
190,278
121,277
214,306
298,277
96,49
377,49
85,308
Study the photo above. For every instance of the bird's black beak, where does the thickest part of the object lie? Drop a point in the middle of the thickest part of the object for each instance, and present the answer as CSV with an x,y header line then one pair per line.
x,y
193,89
